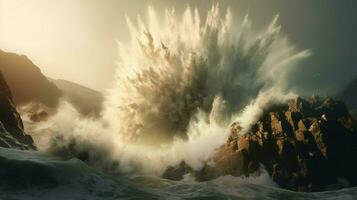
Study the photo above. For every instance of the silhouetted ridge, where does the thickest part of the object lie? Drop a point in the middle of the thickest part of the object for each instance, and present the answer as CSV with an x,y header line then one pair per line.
x,y
87,101
26,81
29,85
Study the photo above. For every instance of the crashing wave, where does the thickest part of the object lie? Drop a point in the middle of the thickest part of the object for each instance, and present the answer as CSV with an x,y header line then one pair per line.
x,y
172,69
179,83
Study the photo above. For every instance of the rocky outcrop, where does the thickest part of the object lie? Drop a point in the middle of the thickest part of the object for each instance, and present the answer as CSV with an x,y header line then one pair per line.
x,y
305,145
12,133
26,81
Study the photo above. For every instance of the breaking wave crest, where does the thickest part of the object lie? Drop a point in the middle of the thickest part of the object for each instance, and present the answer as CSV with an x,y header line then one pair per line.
x,y
180,82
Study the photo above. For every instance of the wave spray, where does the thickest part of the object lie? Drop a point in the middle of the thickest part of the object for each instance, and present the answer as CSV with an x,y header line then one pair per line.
x,y
179,84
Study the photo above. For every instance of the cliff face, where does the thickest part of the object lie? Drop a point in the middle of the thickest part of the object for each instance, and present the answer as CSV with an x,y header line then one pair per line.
x,y
12,133
26,81
305,145
29,85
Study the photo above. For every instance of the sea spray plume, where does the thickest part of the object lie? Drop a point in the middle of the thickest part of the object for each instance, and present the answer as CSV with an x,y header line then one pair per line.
x,y
181,77
252,112
68,134
173,68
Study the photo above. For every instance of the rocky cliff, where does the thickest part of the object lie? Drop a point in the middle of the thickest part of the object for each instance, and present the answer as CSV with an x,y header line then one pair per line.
x,y
304,145
12,133
26,81
29,85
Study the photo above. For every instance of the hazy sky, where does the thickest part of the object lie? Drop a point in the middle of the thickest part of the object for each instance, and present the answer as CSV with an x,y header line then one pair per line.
x,y
75,39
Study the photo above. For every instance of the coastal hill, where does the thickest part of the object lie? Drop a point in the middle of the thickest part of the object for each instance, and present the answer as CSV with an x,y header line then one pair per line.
x,y
29,85
87,101
26,81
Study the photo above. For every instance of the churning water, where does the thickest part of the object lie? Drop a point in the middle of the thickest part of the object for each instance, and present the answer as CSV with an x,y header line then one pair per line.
x,y
32,176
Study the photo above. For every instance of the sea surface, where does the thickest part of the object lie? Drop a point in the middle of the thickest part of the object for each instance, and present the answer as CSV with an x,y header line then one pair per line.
x,y
32,175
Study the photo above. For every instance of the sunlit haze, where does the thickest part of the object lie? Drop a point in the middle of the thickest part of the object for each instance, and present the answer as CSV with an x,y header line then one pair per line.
x,y
76,40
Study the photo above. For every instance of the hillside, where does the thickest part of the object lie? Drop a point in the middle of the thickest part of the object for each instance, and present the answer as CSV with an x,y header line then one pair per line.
x,y
87,101
26,81
29,85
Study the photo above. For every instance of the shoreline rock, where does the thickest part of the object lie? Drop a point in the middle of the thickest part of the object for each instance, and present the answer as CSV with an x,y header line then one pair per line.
x,y
12,133
305,145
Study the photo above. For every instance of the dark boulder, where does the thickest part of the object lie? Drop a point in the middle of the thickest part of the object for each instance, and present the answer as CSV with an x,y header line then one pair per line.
x,y
226,162
177,172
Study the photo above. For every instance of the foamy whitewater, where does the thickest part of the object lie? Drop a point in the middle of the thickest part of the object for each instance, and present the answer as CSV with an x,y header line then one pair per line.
x,y
180,82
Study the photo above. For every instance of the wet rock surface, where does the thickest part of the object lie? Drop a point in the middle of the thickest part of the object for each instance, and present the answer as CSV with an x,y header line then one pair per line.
x,y
12,133
305,145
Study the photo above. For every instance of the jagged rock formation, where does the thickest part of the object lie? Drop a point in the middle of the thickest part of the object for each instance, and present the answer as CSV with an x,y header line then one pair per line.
x,y
305,145
87,101
12,133
26,81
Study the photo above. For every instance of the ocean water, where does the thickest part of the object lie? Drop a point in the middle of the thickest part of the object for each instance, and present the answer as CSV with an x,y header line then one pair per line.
x,y
32,175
